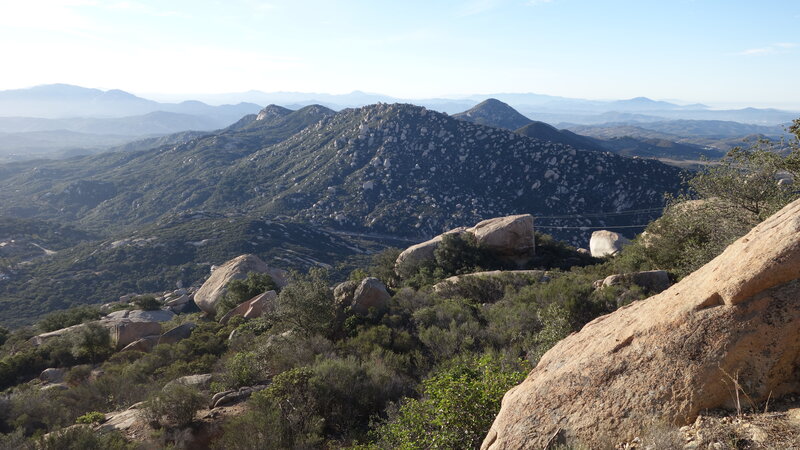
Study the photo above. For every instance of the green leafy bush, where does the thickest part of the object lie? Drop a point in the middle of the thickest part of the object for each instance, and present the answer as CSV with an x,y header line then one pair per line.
x,y
146,302
457,407
175,405
73,316
91,417
83,438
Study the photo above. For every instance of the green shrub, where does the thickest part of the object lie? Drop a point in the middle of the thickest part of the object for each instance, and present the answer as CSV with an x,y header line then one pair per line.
x,y
242,369
306,304
91,417
73,316
176,405
91,343
83,438
146,302
457,407
284,414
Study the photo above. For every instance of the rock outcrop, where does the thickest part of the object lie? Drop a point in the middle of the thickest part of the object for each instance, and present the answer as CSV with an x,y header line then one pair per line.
x,y
255,307
370,294
343,293
653,281
509,238
517,278
606,243
177,334
138,315
126,331
236,269
673,355
421,253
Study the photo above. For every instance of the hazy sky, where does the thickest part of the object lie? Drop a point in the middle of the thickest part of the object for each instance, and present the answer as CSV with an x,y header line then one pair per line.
x,y
720,52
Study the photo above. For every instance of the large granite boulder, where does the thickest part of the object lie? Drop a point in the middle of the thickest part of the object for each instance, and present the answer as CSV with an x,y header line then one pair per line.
x,y
652,281
126,331
510,236
201,382
516,278
606,243
420,254
255,307
370,294
667,358
344,292
177,334
137,315
215,287
52,375
144,345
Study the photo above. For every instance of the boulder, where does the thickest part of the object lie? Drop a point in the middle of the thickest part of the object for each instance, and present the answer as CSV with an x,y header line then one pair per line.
x,y
126,331
178,333
52,375
421,253
667,358
253,308
229,397
264,303
344,292
236,269
121,421
185,308
606,243
178,301
370,293
201,382
42,338
653,281
145,344
518,278
138,315
510,236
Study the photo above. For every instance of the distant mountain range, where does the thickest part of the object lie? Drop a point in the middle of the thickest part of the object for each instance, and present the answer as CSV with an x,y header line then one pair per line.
x,y
495,113
63,120
395,169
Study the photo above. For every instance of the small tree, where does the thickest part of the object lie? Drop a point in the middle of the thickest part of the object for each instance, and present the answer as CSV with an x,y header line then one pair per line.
x,y
307,303
91,342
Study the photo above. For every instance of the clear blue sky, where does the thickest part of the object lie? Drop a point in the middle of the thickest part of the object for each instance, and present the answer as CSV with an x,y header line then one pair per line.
x,y
720,52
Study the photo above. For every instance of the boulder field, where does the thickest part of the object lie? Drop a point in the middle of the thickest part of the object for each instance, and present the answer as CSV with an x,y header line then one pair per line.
x,y
733,324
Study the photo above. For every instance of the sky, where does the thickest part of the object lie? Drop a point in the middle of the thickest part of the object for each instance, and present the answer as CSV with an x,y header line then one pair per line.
x,y
719,52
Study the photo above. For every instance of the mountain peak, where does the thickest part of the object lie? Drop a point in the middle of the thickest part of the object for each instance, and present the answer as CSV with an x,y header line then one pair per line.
x,y
271,112
494,113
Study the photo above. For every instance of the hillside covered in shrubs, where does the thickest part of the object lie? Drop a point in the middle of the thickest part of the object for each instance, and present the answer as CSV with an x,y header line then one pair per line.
x,y
421,362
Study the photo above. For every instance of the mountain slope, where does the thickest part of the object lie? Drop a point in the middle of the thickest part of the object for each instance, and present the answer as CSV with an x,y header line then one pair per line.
x,y
547,132
153,258
397,169
121,190
402,169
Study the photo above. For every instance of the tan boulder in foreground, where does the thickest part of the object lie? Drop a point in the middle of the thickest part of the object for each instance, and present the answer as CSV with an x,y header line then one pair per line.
x,y
236,269
669,357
